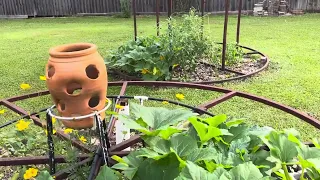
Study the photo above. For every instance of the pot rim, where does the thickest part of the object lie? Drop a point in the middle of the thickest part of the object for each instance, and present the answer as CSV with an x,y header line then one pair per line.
x,y
72,50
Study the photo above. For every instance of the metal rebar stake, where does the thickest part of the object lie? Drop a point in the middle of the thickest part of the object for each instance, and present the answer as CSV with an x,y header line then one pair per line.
x,y
52,163
103,142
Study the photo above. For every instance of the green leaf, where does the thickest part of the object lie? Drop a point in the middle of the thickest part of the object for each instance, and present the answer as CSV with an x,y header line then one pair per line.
x,y
195,172
246,171
165,134
107,173
281,148
183,145
133,161
234,123
216,120
239,144
118,159
142,123
313,173
159,118
238,132
259,158
44,175
205,132
200,154
166,168
157,144
145,152
131,124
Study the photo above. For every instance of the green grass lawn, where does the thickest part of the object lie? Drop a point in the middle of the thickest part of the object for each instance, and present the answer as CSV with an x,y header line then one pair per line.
x,y
292,43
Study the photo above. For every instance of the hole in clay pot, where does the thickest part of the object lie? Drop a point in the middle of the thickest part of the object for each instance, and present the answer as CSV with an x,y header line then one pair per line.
x,y
51,71
61,106
75,48
74,89
94,101
92,72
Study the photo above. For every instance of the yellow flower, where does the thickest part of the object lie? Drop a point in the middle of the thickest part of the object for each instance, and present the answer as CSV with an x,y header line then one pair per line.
x,y
180,96
22,125
118,106
68,131
53,131
27,175
25,86
107,100
42,78
2,111
175,65
161,58
165,102
144,71
83,139
53,120
31,172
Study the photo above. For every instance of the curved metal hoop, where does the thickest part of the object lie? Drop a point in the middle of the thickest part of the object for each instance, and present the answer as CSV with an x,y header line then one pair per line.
x,y
49,110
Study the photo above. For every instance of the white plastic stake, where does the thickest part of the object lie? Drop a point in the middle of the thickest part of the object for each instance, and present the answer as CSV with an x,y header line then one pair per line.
x,y
122,132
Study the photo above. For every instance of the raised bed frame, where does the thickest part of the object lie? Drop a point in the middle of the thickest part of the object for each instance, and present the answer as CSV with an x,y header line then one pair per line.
x,y
96,161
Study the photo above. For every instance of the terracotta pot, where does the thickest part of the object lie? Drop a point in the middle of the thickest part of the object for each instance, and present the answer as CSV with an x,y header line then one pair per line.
x,y
77,81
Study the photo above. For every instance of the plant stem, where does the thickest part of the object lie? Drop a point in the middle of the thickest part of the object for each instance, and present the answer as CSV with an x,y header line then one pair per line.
x,y
284,167
302,174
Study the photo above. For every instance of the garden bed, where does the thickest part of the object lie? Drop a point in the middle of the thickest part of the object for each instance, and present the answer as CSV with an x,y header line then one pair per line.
x,y
206,73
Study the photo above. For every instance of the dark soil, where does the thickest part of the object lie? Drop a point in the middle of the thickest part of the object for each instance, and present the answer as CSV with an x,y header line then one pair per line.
x,y
207,72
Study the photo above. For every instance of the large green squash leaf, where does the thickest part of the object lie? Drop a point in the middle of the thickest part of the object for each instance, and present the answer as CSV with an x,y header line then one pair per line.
x,y
281,147
132,162
195,172
159,118
183,145
163,169
107,173
202,154
246,171
157,144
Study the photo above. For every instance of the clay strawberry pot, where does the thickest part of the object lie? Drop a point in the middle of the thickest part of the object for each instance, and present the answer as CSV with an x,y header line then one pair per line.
x,y
77,81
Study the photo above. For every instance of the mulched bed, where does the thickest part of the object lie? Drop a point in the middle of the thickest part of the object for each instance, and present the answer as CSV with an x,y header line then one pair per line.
x,y
204,71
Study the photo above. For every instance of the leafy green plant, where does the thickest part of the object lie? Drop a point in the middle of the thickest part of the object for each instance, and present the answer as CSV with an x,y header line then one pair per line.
x,y
125,8
145,56
209,148
234,54
155,57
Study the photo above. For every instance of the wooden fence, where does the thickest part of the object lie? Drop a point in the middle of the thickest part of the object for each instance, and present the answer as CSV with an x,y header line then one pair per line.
x,y
74,7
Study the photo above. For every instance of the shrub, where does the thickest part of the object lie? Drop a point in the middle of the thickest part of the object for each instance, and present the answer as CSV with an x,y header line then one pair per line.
x,y
125,8
234,54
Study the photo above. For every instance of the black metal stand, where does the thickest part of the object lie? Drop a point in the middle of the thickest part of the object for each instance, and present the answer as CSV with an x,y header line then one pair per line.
x,y
52,163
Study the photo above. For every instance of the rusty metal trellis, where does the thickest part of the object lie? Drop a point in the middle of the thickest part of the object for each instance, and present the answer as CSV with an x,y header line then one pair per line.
x,y
118,149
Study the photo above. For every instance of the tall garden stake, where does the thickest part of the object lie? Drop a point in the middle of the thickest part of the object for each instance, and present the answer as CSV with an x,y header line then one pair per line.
x,y
239,20
225,31
52,163
134,19
157,13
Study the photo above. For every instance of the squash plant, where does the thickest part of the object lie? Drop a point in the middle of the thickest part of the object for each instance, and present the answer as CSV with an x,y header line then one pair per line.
x,y
180,145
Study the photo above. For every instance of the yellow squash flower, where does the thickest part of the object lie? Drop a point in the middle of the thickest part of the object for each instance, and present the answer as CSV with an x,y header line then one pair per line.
x,y
144,71
22,125
25,86
2,111
180,96
161,58
42,78
30,173
165,102
68,131
83,139
118,106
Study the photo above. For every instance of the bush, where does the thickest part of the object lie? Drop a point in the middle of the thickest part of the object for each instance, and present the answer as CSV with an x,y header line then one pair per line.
x,y
234,54
125,8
